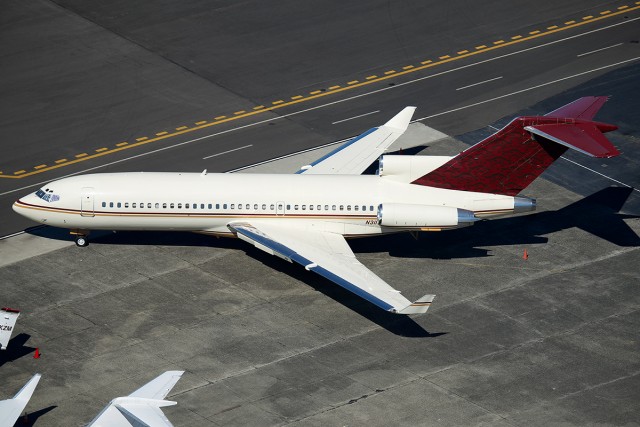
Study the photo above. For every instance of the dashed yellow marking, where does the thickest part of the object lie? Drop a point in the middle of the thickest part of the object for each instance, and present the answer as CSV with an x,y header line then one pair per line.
x,y
40,166
279,101
407,67
297,97
315,92
79,156
371,77
122,144
201,122
258,107
335,87
534,32
351,84
389,72
239,112
462,52
100,150
162,133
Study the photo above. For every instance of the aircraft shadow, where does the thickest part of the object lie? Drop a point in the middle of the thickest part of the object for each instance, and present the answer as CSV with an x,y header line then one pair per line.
x,y
16,349
29,419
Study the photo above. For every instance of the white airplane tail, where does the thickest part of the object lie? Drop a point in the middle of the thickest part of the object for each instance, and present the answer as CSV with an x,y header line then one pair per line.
x,y
142,407
8,317
11,409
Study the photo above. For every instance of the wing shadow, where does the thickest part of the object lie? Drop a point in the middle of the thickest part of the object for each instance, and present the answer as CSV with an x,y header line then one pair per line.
x,y
29,419
16,349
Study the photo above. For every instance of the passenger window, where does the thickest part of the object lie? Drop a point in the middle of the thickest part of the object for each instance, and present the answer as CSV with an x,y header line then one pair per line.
x,y
157,205
356,207
133,205
210,205
295,207
141,205
272,207
364,208
326,207
186,205
110,204
164,206
104,204
201,205
348,207
217,205
233,206
171,206
247,206
119,204
341,207
371,208
288,207
179,205
224,206
333,207
319,207
149,205
310,207
264,207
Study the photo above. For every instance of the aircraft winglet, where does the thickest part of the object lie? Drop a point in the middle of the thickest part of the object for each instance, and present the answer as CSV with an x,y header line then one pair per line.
x,y
11,409
8,317
419,306
401,120
142,407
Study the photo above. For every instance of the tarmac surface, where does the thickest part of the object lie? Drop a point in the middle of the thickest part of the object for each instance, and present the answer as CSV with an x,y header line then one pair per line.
x,y
550,340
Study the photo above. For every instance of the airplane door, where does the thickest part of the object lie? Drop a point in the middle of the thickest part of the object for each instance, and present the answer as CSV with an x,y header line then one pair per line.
x,y
86,202
280,208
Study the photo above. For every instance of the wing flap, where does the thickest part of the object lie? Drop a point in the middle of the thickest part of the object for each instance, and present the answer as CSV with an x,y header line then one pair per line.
x,y
354,156
328,255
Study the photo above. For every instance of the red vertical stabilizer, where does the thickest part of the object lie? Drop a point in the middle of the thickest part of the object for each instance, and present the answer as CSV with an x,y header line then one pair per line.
x,y
509,160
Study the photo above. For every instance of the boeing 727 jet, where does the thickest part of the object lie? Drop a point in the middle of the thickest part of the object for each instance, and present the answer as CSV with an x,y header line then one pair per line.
x,y
305,217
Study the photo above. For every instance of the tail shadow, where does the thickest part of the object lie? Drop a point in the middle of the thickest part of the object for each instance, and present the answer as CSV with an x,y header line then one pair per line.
x,y
16,349
29,419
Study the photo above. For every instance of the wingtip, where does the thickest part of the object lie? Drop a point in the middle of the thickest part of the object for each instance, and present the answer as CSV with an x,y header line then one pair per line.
x,y
419,306
402,119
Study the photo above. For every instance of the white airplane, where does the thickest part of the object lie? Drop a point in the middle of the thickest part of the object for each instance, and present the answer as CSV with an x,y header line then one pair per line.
x,y
8,318
305,217
142,407
11,409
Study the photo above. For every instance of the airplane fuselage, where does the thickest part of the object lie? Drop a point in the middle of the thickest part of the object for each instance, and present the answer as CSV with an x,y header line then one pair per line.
x,y
345,204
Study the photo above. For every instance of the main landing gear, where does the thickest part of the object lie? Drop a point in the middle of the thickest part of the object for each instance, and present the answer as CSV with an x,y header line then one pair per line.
x,y
81,238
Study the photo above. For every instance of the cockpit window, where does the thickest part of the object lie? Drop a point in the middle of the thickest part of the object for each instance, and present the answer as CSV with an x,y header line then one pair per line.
x,y
47,195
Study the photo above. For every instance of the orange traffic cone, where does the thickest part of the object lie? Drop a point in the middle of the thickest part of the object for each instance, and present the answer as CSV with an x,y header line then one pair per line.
x,y
525,255
36,355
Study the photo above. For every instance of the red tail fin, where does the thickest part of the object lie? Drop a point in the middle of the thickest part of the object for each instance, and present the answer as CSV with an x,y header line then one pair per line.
x,y
509,160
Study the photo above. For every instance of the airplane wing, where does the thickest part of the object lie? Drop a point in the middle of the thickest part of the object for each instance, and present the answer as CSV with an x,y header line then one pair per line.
x,y
328,255
8,317
142,407
354,156
11,409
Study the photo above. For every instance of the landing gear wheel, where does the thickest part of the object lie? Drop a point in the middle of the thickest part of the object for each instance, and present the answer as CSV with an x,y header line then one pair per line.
x,y
81,241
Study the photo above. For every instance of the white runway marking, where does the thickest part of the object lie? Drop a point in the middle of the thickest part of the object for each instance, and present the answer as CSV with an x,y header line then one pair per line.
x,y
598,50
228,151
479,83
355,117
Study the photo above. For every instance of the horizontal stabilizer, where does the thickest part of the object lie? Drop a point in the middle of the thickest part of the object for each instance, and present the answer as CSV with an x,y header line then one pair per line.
x,y
584,137
419,306
583,108
8,317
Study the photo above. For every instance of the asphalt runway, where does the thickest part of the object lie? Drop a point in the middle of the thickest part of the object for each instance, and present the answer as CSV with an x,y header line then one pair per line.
x,y
551,340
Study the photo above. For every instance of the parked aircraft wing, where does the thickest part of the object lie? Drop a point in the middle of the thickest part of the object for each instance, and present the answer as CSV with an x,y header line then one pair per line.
x,y
11,409
142,407
8,317
354,156
328,255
